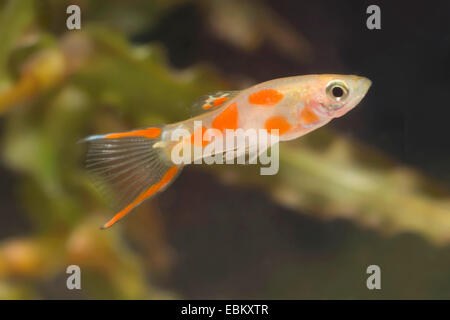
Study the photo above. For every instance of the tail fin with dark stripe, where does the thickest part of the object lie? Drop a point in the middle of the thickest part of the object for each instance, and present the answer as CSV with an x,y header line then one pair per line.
x,y
128,168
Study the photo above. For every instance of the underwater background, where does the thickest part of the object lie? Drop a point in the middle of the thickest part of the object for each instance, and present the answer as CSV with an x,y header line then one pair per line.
x,y
369,188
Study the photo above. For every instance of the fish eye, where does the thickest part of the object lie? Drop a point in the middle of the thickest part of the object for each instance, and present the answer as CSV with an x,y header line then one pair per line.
x,y
337,90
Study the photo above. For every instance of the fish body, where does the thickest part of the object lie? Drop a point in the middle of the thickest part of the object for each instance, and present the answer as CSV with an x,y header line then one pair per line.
x,y
138,164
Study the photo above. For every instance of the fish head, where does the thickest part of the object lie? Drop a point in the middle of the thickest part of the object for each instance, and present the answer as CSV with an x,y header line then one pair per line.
x,y
335,95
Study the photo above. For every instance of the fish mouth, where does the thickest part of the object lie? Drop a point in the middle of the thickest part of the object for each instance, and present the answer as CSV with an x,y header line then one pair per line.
x,y
367,83
363,87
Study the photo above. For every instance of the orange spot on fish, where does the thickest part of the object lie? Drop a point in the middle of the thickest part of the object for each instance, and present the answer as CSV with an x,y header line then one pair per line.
x,y
307,116
228,119
267,97
148,133
168,176
277,122
201,132
219,101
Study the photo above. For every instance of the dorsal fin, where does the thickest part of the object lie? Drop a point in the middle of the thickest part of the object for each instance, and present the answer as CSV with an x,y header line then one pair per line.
x,y
211,101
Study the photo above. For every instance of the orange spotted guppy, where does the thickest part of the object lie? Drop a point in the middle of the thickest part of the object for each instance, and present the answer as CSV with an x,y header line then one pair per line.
x,y
136,165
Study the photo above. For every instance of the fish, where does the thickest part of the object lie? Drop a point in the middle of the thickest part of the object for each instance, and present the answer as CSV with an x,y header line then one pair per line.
x,y
133,166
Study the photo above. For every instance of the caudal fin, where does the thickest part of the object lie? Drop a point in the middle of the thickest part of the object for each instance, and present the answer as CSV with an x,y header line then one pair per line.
x,y
129,168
